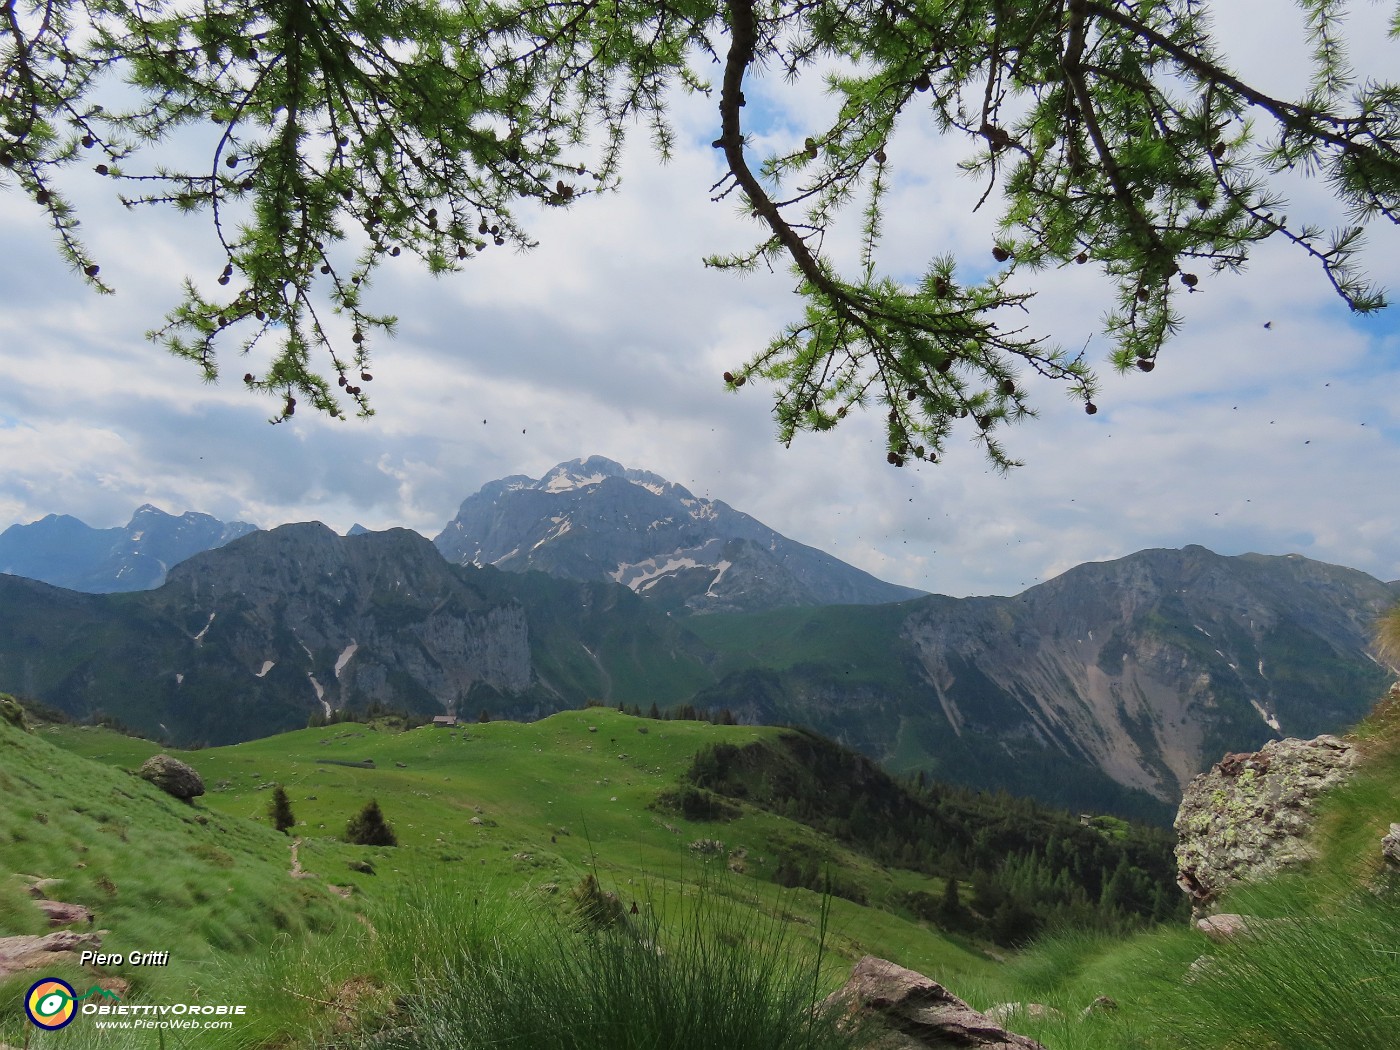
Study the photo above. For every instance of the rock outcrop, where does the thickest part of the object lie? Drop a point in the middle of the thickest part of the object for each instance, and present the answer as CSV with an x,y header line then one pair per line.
x,y
61,913
1250,815
1390,848
903,1010
172,776
43,953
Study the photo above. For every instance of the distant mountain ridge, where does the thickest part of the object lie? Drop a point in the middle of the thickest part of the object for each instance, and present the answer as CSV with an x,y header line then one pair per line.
x,y
63,551
1143,670
1109,686
1105,688
255,637
585,520
594,519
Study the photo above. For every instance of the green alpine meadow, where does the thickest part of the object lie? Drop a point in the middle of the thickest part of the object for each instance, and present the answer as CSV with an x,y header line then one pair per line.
x,y
598,879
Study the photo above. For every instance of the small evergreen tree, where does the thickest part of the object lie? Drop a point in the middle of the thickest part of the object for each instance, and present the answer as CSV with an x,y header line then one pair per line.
x,y
369,828
280,810
951,912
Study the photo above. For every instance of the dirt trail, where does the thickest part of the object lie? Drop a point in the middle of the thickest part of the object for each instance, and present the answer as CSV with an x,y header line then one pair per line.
x,y
297,871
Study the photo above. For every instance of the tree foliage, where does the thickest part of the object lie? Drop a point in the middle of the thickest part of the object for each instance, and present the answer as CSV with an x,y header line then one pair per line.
x,y
279,810
369,828
1030,866
1111,133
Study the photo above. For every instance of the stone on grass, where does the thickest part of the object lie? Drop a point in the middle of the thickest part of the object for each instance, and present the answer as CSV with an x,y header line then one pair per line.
x,y
1005,1012
43,953
1250,815
1390,848
61,913
899,1009
172,776
1102,1004
38,885
1227,927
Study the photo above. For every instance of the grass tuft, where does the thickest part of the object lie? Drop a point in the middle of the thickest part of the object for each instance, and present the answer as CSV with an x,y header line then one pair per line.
x,y
503,973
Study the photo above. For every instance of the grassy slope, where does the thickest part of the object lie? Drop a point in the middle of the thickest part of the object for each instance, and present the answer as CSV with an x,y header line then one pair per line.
x,y
159,874
1325,977
556,800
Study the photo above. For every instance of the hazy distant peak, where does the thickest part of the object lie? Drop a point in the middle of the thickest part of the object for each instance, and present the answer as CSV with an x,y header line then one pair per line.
x,y
63,551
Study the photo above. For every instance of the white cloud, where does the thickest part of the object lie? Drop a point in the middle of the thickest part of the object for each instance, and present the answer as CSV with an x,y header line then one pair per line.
x,y
611,337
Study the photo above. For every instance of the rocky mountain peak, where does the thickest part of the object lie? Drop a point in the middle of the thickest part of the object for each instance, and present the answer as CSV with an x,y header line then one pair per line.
x,y
594,519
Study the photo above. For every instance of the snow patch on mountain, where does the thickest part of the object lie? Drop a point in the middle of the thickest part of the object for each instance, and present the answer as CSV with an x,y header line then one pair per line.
x,y
655,572
565,482
320,694
723,567
561,526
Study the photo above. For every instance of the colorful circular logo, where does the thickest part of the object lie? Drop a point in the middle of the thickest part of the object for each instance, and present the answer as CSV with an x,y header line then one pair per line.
x,y
51,1003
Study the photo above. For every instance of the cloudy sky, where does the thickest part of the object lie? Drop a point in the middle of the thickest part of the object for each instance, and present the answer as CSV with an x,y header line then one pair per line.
x,y
610,338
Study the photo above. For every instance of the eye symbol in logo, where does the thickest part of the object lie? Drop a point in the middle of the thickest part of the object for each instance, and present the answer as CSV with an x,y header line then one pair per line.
x,y
50,1003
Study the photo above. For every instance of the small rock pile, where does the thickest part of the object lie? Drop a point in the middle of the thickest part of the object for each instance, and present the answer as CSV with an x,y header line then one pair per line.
x,y
43,952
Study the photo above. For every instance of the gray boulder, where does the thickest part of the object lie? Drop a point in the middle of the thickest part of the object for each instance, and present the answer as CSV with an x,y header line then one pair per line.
x,y
1250,815
1390,848
172,776
899,1009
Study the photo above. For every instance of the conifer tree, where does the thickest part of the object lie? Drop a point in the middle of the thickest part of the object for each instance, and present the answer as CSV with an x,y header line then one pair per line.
x,y
369,828
279,809
950,908
1109,134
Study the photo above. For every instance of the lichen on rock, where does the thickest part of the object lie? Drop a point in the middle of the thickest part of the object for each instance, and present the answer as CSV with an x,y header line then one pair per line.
x,y
1250,815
